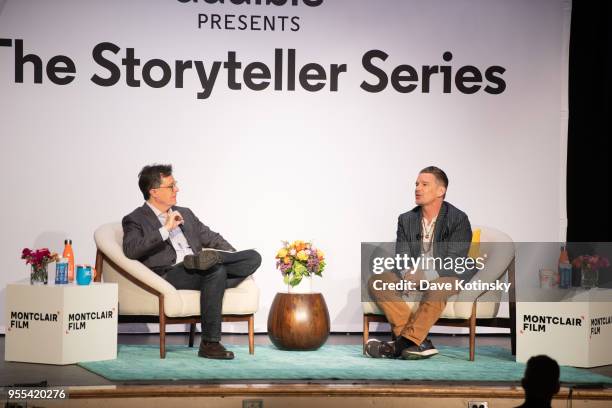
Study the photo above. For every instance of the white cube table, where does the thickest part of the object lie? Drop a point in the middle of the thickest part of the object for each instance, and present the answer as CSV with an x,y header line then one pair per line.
x,y
575,331
60,324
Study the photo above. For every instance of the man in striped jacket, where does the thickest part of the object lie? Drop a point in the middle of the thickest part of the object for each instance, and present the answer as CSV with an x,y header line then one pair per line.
x,y
433,229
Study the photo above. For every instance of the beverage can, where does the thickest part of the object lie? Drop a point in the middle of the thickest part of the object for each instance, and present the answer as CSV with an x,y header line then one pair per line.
x,y
61,271
83,274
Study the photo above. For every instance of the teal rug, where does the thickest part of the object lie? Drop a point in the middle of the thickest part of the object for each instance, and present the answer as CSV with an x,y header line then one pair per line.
x,y
333,362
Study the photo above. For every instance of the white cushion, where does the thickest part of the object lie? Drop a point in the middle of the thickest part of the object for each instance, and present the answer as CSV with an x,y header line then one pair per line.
x,y
133,300
498,259
453,310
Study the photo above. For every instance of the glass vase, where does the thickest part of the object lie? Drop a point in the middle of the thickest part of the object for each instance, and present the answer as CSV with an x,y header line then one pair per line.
x,y
305,286
589,277
39,275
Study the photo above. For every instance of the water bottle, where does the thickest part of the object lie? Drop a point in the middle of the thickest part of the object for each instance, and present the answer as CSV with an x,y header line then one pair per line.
x,y
565,269
69,254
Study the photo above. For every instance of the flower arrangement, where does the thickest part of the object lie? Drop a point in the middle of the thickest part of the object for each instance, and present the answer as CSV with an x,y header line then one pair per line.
x,y
39,259
593,262
298,260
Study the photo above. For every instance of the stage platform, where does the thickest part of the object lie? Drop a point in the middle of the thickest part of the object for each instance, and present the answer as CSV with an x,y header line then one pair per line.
x,y
88,389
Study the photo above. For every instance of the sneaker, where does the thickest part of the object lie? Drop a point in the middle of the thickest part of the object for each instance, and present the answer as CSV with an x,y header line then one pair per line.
x,y
380,349
203,260
424,350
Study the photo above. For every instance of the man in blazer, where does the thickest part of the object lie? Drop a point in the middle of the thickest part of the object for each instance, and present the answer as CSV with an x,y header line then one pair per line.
x,y
176,245
435,229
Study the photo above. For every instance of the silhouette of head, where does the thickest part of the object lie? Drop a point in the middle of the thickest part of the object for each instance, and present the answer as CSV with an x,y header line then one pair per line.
x,y
541,378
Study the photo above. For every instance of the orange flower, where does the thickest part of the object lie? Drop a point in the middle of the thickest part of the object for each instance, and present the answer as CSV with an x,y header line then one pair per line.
x,y
299,245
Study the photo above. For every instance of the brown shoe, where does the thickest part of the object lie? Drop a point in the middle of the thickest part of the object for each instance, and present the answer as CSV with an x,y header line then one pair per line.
x,y
214,350
203,260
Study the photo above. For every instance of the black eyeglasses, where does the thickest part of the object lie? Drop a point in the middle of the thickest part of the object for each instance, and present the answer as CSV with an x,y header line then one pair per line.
x,y
171,186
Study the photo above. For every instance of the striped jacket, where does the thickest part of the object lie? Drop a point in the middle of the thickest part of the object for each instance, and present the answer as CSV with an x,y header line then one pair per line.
x,y
452,236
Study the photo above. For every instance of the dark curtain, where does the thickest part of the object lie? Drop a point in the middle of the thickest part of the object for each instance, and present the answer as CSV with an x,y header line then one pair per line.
x,y
590,116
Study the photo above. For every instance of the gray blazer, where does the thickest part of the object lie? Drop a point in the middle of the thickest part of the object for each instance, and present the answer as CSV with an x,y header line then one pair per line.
x,y
452,235
143,242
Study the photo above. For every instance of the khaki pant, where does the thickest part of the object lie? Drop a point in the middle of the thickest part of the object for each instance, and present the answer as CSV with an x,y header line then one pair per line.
x,y
414,326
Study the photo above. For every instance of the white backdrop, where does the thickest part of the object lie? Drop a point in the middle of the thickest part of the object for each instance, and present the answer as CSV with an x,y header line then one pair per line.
x,y
264,166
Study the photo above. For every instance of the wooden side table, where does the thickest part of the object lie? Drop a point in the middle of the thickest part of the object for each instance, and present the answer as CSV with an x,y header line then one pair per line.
x,y
298,321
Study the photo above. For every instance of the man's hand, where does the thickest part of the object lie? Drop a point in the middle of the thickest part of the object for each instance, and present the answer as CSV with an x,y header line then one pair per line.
x,y
173,220
414,276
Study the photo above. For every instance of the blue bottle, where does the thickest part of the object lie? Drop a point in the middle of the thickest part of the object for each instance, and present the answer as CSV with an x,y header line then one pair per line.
x,y
565,270
61,271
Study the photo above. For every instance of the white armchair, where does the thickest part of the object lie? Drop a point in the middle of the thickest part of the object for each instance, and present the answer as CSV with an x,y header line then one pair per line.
x,y
146,297
472,309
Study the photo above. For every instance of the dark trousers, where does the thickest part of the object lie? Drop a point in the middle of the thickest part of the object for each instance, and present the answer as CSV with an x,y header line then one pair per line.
x,y
211,283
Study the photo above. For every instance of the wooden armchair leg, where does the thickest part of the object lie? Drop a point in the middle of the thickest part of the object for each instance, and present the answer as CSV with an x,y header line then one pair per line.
x,y
512,305
513,327
162,328
251,334
162,336
366,331
192,328
473,332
